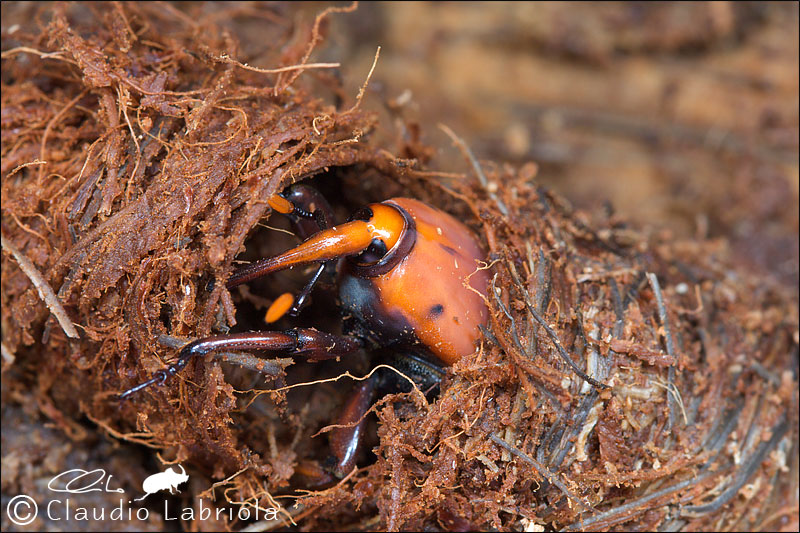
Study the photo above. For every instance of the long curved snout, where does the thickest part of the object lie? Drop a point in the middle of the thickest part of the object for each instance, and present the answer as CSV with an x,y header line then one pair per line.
x,y
340,241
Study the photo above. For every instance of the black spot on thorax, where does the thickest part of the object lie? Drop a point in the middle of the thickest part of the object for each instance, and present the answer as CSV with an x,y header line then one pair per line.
x,y
435,311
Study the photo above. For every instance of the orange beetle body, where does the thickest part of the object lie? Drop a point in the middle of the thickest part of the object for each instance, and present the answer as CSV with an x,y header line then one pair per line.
x,y
430,301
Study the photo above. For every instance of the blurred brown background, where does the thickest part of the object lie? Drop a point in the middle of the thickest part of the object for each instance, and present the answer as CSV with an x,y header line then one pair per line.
x,y
681,116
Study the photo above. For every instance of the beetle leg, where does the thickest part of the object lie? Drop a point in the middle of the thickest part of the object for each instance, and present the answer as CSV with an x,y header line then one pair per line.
x,y
310,343
346,441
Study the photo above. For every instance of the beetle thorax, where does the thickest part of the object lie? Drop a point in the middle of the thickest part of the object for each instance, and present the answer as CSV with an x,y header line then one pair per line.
x,y
423,301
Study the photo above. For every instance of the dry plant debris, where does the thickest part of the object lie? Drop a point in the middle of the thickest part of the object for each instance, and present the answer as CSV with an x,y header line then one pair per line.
x,y
623,382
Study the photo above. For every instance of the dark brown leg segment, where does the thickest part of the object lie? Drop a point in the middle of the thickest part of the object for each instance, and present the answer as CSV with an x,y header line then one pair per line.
x,y
310,343
346,441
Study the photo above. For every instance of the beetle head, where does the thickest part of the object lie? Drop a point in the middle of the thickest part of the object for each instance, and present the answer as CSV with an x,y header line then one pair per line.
x,y
393,233
375,239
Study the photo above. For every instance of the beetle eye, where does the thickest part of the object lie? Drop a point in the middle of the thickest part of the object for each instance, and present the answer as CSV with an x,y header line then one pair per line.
x,y
365,214
374,252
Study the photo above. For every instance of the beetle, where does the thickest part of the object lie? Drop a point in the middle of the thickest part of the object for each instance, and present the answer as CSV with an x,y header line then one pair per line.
x,y
168,479
409,283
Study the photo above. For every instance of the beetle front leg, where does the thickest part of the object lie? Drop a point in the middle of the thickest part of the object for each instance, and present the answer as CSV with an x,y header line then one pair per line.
x,y
310,343
346,441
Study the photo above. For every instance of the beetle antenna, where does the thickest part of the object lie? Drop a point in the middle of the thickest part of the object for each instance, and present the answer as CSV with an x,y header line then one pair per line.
x,y
300,301
159,377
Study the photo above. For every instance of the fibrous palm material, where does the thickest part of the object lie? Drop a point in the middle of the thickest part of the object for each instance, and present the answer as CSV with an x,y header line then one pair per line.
x,y
624,381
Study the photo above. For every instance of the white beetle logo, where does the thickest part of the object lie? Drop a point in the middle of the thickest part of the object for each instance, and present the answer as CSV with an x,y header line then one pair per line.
x,y
168,479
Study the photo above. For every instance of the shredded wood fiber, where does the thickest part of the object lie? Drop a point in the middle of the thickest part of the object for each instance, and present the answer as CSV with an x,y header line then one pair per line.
x,y
623,382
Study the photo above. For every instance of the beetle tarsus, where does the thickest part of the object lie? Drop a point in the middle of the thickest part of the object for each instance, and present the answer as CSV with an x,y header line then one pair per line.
x,y
159,377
